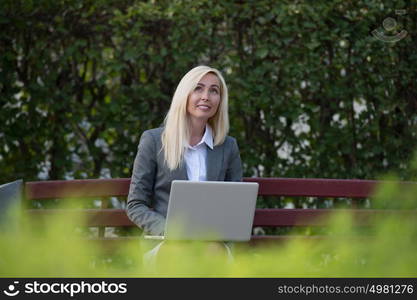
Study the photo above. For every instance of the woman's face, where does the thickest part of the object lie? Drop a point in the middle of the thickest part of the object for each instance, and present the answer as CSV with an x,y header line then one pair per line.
x,y
204,101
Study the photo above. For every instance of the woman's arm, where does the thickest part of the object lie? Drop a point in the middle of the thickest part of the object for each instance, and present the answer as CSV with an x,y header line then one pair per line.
x,y
141,191
234,168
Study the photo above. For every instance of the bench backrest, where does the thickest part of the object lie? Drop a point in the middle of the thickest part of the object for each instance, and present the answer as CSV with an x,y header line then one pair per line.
x,y
269,217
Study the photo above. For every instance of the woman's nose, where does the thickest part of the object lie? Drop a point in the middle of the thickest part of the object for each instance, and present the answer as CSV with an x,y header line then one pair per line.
x,y
204,95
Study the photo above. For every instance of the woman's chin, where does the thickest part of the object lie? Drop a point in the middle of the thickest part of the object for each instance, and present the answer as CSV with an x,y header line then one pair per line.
x,y
201,117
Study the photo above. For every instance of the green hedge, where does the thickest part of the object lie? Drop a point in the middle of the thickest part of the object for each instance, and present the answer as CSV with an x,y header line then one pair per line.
x,y
312,92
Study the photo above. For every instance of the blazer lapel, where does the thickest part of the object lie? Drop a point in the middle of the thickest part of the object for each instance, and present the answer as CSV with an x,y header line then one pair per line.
x,y
214,162
180,173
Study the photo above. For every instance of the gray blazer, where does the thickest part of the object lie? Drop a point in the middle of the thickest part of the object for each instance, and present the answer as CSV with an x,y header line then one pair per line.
x,y
150,185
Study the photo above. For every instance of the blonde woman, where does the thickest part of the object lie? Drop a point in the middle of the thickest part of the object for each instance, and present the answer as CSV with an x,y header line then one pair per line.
x,y
192,145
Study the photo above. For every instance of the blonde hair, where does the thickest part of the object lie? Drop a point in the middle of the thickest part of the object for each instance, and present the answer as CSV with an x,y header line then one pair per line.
x,y
176,132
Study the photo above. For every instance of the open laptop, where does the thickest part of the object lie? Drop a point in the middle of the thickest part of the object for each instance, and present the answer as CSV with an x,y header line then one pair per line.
x,y
210,211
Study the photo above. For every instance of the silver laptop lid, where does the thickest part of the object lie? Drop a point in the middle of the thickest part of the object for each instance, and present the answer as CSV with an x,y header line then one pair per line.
x,y
211,210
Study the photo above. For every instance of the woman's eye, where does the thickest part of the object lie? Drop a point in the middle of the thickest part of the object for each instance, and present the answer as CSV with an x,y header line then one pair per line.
x,y
197,88
214,91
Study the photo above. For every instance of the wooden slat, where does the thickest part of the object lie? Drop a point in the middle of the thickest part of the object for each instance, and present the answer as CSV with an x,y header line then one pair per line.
x,y
93,217
77,188
314,187
303,187
263,217
320,217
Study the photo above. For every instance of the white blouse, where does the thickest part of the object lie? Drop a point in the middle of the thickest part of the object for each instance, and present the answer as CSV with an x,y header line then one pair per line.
x,y
196,156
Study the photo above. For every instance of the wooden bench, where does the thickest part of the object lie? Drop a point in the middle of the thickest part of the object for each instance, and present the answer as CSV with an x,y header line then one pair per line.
x,y
104,216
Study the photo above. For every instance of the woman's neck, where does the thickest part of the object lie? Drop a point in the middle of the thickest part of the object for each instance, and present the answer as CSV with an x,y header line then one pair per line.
x,y
197,129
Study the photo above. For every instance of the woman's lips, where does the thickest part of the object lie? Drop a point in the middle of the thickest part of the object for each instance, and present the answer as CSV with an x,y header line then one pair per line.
x,y
203,107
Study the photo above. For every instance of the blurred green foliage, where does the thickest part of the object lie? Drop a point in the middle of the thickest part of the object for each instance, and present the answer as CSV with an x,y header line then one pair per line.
x,y
59,249
312,92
